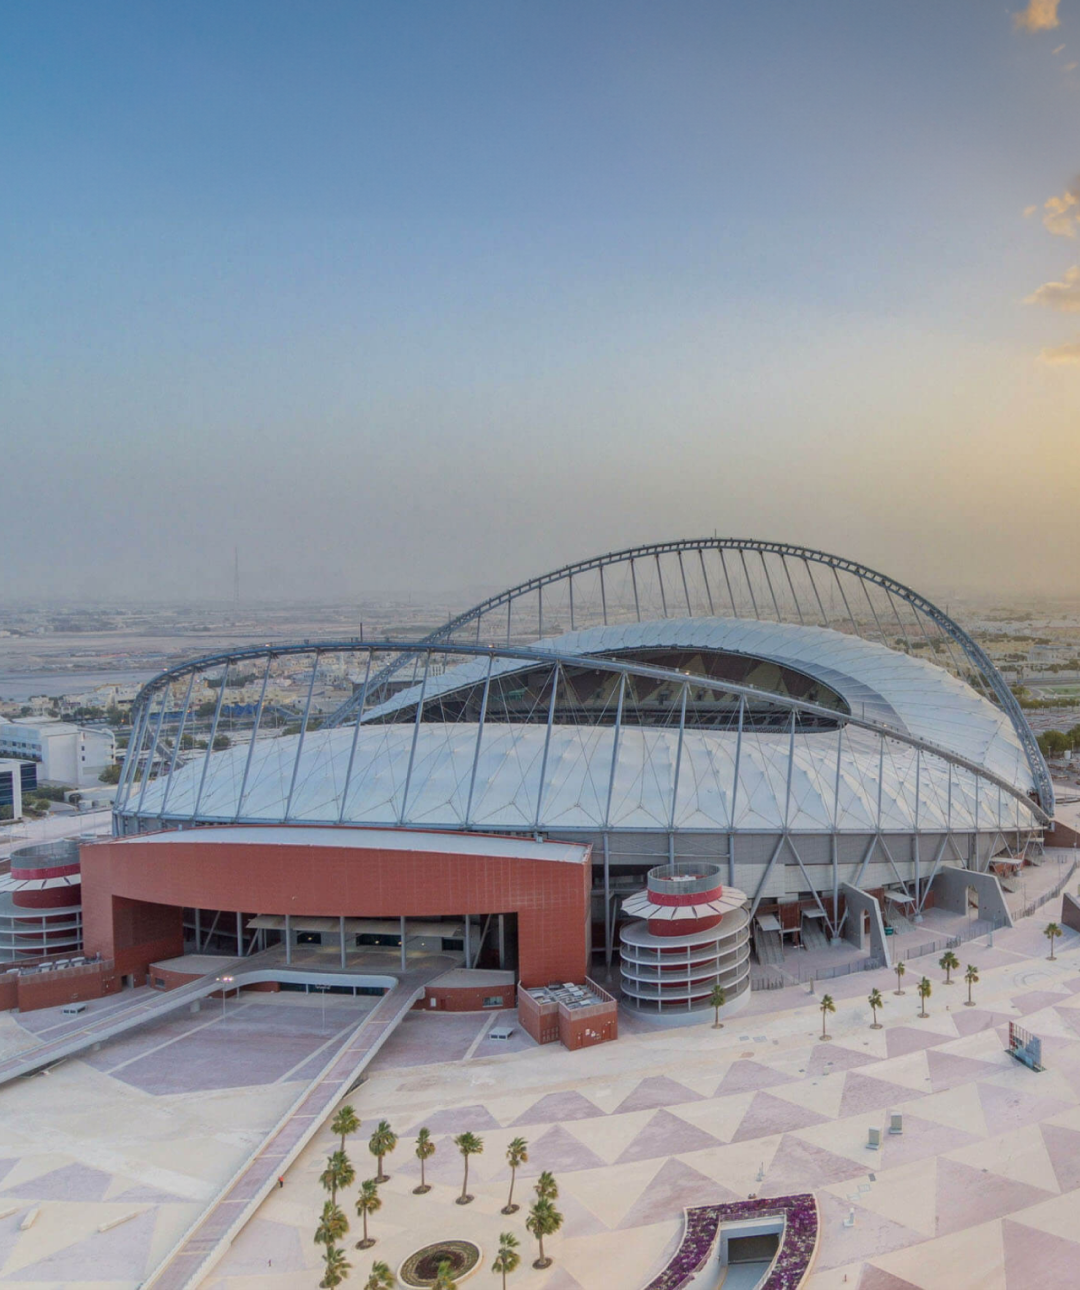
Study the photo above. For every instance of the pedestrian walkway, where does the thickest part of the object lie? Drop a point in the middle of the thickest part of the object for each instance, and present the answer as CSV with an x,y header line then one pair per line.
x,y
209,1238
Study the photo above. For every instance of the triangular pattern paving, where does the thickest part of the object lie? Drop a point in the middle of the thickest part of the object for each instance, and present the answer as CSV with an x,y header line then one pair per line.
x,y
1034,1258
969,1021
1008,1108
949,1069
655,1092
798,1165
873,1234
70,1182
865,1093
748,1076
1063,1148
767,1115
906,1039
878,1279
922,1139
667,1135
557,1108
111,1255
967,1197
558,1151
826,1059
462,1119
674,1187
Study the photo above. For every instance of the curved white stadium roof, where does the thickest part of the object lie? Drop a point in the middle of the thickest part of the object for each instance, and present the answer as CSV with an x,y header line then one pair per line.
x,y
527,777
899,690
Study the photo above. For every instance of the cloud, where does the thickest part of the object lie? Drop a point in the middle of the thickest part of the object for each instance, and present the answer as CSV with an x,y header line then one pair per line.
x,y
1058,50
1062,355
1070,67
1061,214
1063,296
1040,15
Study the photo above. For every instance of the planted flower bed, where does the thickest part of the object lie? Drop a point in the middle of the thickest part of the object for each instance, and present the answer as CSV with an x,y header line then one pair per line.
x,y
793,1258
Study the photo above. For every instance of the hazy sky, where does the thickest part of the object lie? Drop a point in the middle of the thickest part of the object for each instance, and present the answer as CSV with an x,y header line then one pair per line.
x,y
439,295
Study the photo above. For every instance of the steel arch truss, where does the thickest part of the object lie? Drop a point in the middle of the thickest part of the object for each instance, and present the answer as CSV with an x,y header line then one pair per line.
x,y
741,578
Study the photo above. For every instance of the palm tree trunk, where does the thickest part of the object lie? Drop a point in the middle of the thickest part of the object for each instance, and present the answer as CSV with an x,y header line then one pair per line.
x,y
540,1238
510,1198
465,1183
422,1182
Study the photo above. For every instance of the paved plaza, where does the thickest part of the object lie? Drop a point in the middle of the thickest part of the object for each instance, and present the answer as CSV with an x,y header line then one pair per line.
x,y
983,1184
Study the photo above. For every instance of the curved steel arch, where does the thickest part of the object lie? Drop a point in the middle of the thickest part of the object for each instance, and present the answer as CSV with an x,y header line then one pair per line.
x,y
974,653
142,720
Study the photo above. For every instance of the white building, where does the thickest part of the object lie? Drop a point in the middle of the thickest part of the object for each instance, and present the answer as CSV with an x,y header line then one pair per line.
x,y
66,753
14,777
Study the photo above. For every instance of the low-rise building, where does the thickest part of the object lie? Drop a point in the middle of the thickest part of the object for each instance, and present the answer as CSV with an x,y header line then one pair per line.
x,y
65,753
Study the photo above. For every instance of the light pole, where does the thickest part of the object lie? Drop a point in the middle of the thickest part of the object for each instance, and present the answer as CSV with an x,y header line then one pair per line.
x,y
322,989
225,982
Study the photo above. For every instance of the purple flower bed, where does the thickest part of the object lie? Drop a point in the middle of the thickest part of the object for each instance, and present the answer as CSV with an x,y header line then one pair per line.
x,y
797,1241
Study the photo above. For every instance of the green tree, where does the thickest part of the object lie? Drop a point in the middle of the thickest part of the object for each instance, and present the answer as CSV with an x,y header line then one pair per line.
x,y
508,1259
381,1143
1052,931
425,1149
875,1001
469,1145
381,1277
368,1202
221,742
925,990
949,963
335,1268
444,1277
717,999
345,1122
900,969
337,1175
971,976
826,1005
517,1153
111,774
544,1220
546,1187
333,1225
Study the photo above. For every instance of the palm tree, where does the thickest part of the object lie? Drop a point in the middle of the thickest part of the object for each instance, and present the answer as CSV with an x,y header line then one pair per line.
x,y
546,1187
381,1143
469,1145
425,1149
333,1225
337,1268
925,989
900,969
345,1122
875,1001
517,1153
443,1277
717,999
1052,932
337,1175
381,1277
948,962
544,1220
508,1259
826,1005
368,1202
971,976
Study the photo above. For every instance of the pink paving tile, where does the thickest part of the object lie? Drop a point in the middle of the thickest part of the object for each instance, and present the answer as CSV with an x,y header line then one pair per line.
x,y
969,1021
103,1256
967,1197
872,1236
747,1075
907,1039
799,1166
266,1246
947,1070
827,1058
1063,1148
878,1279
70,1182
865,1093
1035,1000
1071,1017
675,1186
149,1195
577,1220
462,1119
1040,1259
667,1135
655,1092
560,1279
921,1139
557,1108
1007,1108
767,1115
558,1151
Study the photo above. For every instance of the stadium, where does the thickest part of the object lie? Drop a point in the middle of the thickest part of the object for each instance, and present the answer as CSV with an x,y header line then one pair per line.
x,y
814,733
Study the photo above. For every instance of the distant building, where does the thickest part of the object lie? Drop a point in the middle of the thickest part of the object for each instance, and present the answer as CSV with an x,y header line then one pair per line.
x,y
16,779
65,753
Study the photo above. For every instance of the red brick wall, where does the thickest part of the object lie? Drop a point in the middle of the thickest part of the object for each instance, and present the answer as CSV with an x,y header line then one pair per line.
x,y
551,899
577,1031
9,991
466,998
53,989
539,1020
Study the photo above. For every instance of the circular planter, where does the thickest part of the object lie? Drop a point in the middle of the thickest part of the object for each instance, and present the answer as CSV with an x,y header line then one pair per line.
x,y
422,1266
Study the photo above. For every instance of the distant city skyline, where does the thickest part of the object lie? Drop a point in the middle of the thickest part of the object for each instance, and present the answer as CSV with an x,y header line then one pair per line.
x,y
384,294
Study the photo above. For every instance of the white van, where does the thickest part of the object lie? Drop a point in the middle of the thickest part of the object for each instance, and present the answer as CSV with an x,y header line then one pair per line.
x,y
73,1009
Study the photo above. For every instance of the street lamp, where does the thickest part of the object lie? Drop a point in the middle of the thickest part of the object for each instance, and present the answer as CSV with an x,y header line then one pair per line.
x,y
225,982
322,989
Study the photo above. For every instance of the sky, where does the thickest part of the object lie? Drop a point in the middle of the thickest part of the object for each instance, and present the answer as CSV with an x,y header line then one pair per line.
x,y
426,298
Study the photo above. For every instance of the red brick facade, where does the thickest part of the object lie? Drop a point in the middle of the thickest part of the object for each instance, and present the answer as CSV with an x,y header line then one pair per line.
x,y
134,890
